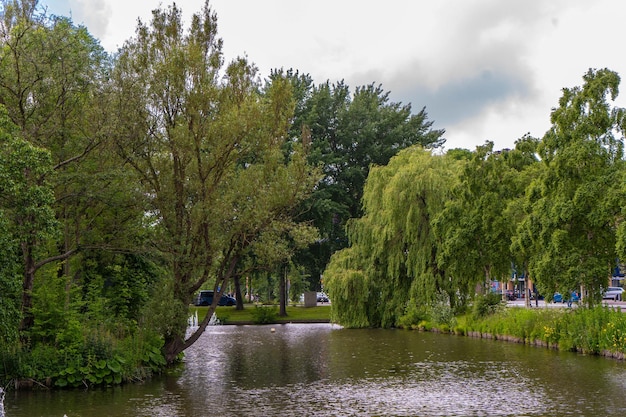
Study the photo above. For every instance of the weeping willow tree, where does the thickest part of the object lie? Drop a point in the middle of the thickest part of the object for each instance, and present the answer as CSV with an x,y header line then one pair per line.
x,y
392,261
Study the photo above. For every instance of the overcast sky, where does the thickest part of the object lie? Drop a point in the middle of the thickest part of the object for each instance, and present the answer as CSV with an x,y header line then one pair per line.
x,y
484,69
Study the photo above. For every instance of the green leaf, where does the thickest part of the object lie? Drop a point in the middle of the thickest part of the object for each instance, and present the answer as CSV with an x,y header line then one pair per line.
x,y
114,366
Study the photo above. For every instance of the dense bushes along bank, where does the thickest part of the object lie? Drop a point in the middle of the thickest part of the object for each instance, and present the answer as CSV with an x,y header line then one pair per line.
x,y
598,331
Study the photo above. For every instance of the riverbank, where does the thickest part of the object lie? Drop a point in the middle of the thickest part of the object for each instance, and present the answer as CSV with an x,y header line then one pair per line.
x,y
593,331
295,314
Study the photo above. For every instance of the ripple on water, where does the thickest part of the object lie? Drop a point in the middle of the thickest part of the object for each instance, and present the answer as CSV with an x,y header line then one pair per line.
x,y
431,389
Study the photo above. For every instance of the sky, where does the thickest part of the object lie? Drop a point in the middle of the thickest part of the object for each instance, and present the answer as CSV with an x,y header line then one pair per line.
x,y
484,70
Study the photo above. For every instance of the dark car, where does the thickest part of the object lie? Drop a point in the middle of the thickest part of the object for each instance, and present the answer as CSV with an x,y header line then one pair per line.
x,y
510,295
205,298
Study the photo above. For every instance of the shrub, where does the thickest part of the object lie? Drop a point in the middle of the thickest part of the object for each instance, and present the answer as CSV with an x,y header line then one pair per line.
x,y
441,314
487,304
412,317
264,315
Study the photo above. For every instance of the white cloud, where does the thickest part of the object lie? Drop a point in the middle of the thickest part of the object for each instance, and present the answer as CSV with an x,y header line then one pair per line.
x,y
95,14
484,69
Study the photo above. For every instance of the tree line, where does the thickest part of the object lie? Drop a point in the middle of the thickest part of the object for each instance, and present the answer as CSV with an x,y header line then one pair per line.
x,y
437,228
129,181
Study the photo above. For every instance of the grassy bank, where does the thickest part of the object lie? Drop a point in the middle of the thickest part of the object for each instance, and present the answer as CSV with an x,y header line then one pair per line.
x,y
597,331
250,314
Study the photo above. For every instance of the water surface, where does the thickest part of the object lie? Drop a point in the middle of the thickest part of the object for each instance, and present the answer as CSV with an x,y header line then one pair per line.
x,y
324,370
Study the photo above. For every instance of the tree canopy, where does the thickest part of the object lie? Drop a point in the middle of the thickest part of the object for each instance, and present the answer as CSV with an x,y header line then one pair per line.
x,y
449,225
206,143
350,133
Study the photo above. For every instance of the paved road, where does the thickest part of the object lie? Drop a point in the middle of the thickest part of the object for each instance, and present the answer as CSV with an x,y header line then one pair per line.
x,y
522,303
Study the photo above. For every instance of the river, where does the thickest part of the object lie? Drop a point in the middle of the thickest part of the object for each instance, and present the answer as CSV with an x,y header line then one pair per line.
x,y
324,370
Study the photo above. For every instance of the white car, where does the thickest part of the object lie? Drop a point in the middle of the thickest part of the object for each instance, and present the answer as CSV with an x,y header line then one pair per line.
x,y
322,298
613,293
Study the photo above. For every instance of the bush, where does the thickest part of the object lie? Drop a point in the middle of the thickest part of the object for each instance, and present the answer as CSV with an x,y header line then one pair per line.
x,y
487,304
413,316
264,315
441,312
598,330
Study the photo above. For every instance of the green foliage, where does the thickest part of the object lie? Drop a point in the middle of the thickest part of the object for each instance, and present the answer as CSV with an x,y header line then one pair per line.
x,y
350,131
101,372
350,290
26,197
413,317
393,256
96,358
116,287
574,204
434,225
264,314
441,312
58,319
298,282
164,313
10,287
477,224
597,330
487,304
207,144
438,315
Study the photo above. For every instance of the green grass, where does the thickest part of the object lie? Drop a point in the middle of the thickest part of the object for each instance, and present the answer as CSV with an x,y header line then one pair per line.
x,y
228,315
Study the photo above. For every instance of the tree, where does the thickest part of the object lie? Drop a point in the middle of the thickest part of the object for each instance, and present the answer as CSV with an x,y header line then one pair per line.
x,y
574,205
26,214
49,74
479,221
208,154
349,134
392,261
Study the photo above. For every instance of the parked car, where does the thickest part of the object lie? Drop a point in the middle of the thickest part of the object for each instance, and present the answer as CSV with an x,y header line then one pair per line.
x,y
510,295
322,298
205,298
613,293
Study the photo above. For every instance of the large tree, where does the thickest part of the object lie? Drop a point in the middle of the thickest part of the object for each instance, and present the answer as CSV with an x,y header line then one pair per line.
x,y
574,205
51,76
479,221
393,255
350,132
207,147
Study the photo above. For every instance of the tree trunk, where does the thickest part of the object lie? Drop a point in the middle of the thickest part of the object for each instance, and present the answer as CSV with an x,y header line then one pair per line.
x,y
27,288
283,298
30,268
238,296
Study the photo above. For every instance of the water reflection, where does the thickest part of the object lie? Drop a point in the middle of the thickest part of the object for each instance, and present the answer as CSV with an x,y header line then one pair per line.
x,y
321,370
